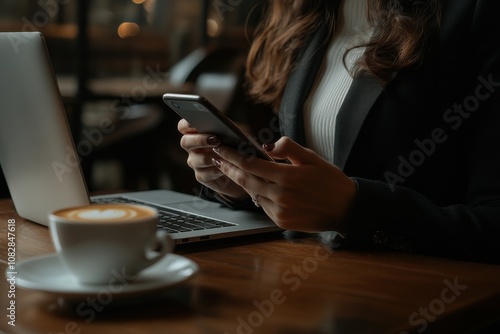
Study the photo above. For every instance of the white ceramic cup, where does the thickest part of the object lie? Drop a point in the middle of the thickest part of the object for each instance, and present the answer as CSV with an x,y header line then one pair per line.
x,y
99,242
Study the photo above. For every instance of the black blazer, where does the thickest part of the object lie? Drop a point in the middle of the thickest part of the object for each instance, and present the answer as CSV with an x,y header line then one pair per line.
x,y
425,149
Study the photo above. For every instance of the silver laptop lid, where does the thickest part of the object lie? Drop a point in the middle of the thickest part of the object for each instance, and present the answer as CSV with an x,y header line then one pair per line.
x,y
32,117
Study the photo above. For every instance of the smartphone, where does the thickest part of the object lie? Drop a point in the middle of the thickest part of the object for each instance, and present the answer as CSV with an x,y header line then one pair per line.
x,y
207,119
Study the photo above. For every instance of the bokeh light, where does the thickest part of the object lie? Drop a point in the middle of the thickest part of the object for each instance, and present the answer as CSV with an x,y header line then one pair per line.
x,y
128,29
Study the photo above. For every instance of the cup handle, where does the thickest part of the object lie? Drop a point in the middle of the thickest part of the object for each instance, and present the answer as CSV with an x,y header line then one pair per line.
x,y
163,244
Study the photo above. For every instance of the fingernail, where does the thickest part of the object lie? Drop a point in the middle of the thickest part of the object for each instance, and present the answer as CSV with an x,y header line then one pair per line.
x,y
269,147
213,140
216,163
216,150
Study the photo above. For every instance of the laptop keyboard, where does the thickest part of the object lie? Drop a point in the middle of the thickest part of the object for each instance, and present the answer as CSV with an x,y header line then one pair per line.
x,y
169,220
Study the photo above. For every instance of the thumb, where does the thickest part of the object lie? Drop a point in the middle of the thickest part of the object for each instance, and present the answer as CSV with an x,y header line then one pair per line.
x,y
287,149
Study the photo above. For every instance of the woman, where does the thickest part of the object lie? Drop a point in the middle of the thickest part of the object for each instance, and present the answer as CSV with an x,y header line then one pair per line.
x,y
399,104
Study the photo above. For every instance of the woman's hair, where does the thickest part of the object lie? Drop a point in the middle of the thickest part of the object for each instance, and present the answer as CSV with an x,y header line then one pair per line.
x,y
402,32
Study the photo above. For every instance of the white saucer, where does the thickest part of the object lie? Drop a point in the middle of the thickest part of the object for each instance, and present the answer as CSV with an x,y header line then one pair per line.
x,y
48,274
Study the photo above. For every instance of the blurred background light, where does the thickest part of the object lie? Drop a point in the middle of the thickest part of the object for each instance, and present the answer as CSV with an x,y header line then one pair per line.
x,y
213,28
128,29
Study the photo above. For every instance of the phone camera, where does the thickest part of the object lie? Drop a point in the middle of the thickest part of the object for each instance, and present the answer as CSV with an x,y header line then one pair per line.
x,y
174,104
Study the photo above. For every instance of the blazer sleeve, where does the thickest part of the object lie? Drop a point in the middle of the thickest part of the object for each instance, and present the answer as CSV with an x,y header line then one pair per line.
x,y
394,217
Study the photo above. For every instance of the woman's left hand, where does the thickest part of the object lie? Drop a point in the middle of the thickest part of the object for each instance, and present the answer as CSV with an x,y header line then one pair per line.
x,y
309,194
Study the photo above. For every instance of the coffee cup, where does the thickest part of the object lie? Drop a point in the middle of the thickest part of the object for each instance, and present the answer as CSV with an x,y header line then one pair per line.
x,y
98,243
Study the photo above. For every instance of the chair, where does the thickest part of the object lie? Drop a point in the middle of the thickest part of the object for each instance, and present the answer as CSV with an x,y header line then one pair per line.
x,y
215,71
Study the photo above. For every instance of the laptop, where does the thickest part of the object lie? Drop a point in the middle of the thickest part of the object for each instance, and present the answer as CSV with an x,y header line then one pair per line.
x,y
39,160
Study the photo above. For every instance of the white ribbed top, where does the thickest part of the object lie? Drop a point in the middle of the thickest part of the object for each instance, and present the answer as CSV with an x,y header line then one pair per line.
x,y
333,82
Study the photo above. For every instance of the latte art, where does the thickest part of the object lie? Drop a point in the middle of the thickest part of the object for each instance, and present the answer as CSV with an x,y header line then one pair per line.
x,y
107,213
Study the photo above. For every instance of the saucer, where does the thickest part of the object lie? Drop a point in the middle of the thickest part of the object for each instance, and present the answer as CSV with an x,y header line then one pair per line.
x,y
48,274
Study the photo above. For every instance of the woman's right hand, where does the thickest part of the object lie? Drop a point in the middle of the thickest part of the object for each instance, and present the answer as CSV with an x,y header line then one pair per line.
x,y
200,150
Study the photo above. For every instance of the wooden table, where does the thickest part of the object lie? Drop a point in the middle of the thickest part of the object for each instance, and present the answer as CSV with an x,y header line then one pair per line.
x,y
273,285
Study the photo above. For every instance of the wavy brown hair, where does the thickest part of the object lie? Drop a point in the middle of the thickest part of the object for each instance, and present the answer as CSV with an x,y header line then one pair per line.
x,y
403,30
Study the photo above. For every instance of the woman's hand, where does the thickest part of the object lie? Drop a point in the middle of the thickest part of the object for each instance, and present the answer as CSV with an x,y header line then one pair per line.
x,y
309,194
199,147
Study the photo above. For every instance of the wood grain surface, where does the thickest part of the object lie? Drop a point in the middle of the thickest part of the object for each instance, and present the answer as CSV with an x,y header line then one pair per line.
x,y
268,284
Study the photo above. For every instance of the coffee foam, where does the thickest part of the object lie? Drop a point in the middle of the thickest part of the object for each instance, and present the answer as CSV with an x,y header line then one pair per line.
x,y
106,213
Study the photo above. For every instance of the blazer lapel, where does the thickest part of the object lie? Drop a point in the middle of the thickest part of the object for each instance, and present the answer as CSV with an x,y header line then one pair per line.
x,y
361,96
300,82
299,85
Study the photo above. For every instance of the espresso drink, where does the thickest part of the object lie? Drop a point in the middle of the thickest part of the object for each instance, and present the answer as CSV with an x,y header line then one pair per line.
x,y
106,213
96,242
